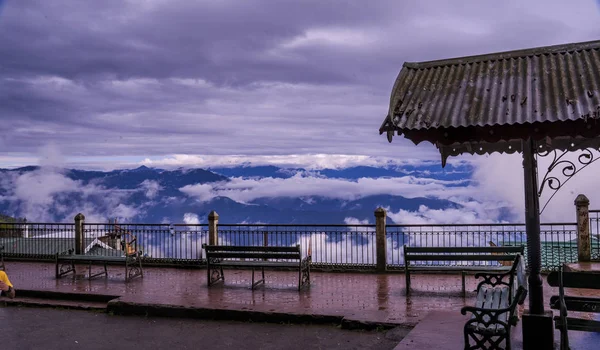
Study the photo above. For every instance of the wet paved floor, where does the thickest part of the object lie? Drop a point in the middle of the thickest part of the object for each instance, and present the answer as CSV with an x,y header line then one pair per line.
x,y
444,330
68,329
360,296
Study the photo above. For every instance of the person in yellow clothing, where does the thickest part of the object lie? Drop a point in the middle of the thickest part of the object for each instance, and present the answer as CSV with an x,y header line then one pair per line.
x,y
5,286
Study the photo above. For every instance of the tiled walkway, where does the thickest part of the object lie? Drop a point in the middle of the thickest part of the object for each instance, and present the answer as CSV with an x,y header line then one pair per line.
x,y
360,296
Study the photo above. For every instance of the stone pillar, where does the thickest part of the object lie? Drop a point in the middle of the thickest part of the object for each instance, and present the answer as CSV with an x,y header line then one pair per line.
x,y
380,218
582,205
213,221
79,235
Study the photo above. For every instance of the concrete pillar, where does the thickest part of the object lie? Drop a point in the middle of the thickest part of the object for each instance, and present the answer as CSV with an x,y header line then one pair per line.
x,y
381,246
582,206
213,221
79,235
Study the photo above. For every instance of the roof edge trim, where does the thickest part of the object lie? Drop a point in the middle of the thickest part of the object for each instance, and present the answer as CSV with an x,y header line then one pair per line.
x,y
560,48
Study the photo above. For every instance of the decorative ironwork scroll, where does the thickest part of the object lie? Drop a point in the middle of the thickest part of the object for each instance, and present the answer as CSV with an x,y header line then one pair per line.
x,y
561,169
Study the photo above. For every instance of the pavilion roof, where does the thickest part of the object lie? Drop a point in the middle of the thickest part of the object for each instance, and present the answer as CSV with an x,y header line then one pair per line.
x,y
489,103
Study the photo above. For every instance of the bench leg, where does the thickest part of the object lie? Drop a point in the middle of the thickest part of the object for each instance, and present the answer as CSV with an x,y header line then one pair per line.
x,y
486,341
407,273
254,284
304,273
208,281
214,275
64,268
133,267
91,275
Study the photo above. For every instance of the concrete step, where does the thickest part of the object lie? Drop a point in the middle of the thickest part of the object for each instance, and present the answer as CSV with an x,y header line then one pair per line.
x,y
56,303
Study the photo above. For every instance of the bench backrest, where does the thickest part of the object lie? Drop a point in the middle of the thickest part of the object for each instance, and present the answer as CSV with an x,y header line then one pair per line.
x,y
575,279
520,278
579,280
462,253
252,252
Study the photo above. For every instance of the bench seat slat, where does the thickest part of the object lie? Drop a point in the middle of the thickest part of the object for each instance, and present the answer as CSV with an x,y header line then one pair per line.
x,y
578,324
236,263
253,255
502,249
574,303
493,299
481,268
576,279
459,257
225,248
92,258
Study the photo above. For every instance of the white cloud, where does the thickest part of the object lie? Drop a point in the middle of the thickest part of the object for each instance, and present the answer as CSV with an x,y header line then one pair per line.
x,y
124,212
151,188
500,178
246,190
307,161
427,216
355,221
191,219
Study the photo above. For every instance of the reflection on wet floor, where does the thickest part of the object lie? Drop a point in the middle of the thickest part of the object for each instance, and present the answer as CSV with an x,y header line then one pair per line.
x,y
375,297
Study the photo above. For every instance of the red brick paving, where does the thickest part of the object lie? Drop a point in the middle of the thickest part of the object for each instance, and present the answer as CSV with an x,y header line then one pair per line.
x,y
362,296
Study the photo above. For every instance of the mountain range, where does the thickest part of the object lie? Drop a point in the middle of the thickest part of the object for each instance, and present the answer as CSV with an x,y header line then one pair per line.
x,y
151,195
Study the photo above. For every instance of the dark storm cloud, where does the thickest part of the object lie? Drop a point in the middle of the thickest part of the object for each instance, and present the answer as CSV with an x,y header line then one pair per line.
x,y
153,78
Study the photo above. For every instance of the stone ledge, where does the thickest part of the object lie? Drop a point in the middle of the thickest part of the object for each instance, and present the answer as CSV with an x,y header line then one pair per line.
x,y
119,307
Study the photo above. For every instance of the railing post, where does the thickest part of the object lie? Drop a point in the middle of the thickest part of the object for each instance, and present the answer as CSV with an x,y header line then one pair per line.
x,y
582,206
79,235
381,248
213,221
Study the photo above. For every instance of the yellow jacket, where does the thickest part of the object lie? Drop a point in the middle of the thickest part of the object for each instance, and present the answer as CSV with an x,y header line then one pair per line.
x,y
4,278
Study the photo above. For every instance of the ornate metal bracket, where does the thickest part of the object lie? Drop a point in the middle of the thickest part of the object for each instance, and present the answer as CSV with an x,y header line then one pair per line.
x,y
561,170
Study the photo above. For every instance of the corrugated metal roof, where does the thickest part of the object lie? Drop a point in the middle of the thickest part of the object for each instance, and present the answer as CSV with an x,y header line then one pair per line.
x,y
555,83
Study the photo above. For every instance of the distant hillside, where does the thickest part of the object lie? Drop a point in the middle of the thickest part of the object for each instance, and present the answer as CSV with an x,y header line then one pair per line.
x,y
6,218
150,195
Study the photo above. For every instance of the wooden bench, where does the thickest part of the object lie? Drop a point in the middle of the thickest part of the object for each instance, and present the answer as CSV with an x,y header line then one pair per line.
x,y
65,264
457,254
255,257
585,280
2,267
495,310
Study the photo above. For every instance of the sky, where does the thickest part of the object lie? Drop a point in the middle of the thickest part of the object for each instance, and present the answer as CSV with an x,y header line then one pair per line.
x,y
168,83
124,82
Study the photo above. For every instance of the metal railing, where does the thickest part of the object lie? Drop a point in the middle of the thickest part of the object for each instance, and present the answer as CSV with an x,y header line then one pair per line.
x,y
595,234
158,243
331,246
36,240
558,240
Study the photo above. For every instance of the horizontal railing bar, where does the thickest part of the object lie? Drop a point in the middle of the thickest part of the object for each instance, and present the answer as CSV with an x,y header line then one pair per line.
x,y
38,223
124,224
296,225
452,250
475,225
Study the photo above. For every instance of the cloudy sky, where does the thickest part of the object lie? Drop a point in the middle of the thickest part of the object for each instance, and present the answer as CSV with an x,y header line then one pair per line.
x,y
126,81
117,83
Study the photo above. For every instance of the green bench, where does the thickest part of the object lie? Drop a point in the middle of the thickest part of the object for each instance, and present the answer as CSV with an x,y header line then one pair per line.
x,y
65,264
255,257
495,310
583,280
446,254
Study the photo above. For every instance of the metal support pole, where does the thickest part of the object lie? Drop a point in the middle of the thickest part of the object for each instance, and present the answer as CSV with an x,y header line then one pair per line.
x,y
538,330
532,225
